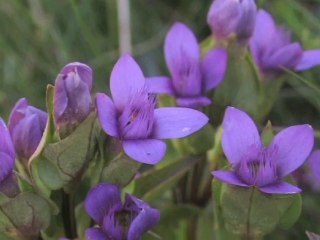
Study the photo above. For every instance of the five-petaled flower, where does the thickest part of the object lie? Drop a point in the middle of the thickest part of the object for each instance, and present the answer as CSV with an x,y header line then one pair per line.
x,y
118,221
26,126
132,118
256,165
72,99
191,77
272,49
227,17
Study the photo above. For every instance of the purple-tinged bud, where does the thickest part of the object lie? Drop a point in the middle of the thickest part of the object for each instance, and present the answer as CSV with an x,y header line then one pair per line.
x,y
227,17
26,126
8,181
72,99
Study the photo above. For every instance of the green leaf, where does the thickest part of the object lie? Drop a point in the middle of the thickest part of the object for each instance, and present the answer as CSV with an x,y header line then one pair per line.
x,y
155,182
267,134
250,213
240,87
171,218
64,161
120,171
292,214
24,216
199,142
47,137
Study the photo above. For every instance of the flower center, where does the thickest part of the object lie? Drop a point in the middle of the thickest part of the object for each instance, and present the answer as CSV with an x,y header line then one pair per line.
x,y
136,120
260,171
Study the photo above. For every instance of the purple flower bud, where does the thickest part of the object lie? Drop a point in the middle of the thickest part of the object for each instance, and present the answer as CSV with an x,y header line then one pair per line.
x,y
72,99
116,220
8,181
256,165
227,17
26,126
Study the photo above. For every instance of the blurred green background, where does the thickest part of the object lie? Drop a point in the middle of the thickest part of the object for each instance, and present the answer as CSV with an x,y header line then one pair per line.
x,y
38,37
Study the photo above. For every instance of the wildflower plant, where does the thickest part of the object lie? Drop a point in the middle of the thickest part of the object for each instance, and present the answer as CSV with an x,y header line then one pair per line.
x,y
118,166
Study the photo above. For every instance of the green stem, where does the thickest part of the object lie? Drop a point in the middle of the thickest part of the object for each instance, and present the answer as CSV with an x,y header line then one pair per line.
x,y
68,214
248,230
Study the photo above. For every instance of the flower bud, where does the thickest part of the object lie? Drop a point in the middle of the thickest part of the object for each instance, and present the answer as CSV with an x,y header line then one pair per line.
x,y
7,153
228,17
26,126
72,100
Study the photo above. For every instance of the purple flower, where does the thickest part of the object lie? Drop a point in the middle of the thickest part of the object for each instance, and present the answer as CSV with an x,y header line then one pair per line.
x,y
72,99
256,165
132,118
190,77
26,126
272,49
7,153
118,221
227,17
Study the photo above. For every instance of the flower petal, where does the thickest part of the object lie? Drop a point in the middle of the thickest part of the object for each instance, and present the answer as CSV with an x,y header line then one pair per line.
x,y
229,178
95,234
213,68
280,188
293,146
82,70
177,122
182,56
6,145
262,36
193,102
102,199
159,85
314,165
111,226
107,114
26,136
223,17
288,57
126,81
17,113
309,60
6,165
240,136
149,151
145,217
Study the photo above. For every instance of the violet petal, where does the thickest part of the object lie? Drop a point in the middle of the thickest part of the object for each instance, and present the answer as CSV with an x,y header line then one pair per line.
x,y
213,68
314,164
102,199
6,145
107,114
145,217
292,145
288,57
95,234
229,178
177,122
182,56
6,165
240,136
160,85
126,81
280,188
310,59
193,102
149,151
